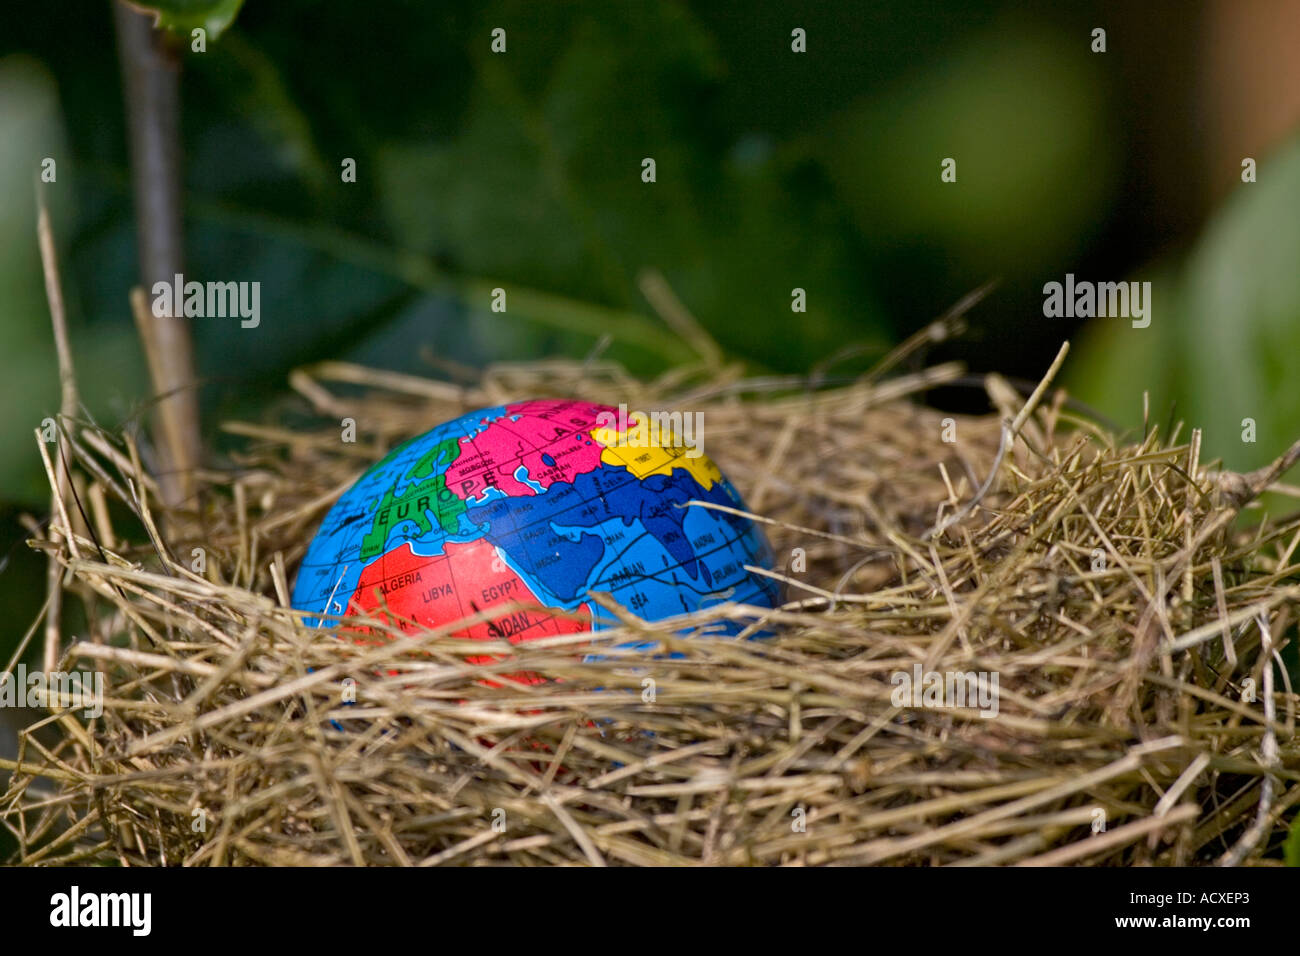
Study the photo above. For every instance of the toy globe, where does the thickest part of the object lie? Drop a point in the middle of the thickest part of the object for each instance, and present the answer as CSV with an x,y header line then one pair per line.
x,y
538,504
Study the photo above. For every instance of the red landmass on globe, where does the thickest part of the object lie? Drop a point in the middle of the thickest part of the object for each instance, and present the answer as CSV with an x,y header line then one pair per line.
x,y
419,592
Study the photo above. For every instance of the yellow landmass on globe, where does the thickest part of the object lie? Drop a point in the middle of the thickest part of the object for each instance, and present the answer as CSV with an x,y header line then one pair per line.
x,y
643,459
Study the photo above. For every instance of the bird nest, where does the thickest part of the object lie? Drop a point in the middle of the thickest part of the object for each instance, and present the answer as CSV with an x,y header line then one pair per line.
x,y
1006,639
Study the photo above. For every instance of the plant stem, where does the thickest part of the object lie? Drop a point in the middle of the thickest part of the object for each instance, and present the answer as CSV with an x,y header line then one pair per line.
x,y
151,80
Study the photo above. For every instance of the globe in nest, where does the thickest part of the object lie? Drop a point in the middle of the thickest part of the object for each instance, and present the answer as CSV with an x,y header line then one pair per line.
x,y
513,513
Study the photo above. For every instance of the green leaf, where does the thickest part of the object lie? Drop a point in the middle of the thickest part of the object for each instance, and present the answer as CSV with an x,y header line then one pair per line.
x,y
184,16
1291,848
1241,332
1113,364
1224,332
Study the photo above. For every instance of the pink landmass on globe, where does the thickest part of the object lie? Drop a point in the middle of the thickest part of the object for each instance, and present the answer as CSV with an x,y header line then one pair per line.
x,y
551,441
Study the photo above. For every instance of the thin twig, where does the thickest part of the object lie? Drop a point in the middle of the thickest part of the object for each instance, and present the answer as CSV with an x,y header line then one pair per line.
x,y
1009,433
151,79
1267,752
67,409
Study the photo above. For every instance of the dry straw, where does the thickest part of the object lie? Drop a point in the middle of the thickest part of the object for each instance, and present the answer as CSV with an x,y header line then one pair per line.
x,y
1130,620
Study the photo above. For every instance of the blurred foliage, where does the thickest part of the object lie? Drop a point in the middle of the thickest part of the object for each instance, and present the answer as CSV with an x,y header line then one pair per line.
x,y
1225,329
1291,849
1030,180
29,115
522,171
